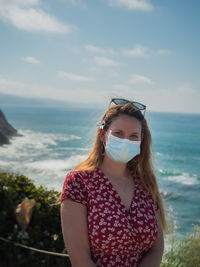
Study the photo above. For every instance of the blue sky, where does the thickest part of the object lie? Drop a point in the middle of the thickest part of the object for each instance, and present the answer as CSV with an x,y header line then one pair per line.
x,y
90,51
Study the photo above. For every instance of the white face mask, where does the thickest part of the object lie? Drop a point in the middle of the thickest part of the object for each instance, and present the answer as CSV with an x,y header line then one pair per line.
x,y
122,150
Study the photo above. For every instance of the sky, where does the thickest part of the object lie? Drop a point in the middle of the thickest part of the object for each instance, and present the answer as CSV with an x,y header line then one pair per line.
x,y
87,51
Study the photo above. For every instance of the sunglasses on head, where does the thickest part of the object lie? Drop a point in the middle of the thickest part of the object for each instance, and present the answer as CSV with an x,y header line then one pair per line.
x,y
122,101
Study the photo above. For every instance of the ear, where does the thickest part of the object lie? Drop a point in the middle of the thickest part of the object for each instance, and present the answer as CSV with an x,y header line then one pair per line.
x,y
102,135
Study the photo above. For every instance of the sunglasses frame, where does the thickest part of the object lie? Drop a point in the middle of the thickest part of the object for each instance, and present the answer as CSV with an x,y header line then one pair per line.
x,y
128,101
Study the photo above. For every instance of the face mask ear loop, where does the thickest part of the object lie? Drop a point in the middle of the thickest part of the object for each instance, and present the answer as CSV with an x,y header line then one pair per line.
x,y
103,149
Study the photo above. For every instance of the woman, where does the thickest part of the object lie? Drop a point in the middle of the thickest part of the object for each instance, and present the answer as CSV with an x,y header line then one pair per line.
x,y
111,211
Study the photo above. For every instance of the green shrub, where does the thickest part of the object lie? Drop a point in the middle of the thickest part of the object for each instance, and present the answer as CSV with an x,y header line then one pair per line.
x,y
44,231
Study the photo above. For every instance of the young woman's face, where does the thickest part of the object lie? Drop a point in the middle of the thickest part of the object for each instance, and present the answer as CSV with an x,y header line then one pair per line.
x,y
127,127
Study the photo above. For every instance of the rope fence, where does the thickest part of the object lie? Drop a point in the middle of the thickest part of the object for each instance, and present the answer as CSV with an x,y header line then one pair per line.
x,y
34,249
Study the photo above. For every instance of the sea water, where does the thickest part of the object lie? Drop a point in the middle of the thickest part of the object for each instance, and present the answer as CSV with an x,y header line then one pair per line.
x,y
56,139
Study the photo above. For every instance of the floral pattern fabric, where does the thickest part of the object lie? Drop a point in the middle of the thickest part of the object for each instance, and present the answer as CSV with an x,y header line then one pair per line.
x,y
118,237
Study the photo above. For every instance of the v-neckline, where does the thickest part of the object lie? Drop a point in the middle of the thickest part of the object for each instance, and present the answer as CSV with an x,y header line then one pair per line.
x,y
127,211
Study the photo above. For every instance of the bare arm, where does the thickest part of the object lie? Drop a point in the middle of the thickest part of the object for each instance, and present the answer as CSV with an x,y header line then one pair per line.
x,y
153,257
75,233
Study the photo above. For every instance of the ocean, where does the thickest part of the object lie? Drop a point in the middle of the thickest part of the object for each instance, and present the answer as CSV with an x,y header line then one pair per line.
x,y
56,139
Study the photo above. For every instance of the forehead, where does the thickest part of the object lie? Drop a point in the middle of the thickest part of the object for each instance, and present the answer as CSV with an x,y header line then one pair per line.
x,y
125,122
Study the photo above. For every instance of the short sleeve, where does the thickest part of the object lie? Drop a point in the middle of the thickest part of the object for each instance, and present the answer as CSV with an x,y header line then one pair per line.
x,y
74,188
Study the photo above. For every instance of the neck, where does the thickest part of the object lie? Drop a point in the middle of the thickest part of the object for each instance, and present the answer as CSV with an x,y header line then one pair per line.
x,y
114,169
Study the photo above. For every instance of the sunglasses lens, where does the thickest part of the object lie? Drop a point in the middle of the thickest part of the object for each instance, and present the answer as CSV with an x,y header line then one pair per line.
x,y
139,105
120,101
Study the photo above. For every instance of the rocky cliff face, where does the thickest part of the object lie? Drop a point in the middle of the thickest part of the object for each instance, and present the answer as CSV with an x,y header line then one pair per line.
x,y
6,130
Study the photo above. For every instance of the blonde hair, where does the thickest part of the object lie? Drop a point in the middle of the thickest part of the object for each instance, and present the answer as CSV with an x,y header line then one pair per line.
x,y
141,165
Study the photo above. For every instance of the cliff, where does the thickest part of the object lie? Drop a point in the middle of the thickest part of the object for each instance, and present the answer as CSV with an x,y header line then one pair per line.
x,y
6,130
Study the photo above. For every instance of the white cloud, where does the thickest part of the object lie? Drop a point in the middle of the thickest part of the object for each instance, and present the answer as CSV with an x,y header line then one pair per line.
x,y
142,5
139,79
113,73
165,52
142,51
95,49
183,97
76,93
137,51
94,69
92,48
176,98
78,3
75,77
22,16
74,2
31,60
184,89
107,62
17,88
20,2
5,83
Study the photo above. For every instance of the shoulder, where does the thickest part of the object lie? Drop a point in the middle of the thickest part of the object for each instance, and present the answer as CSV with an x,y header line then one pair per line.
x,y
78,184
74,175
75,186
80,177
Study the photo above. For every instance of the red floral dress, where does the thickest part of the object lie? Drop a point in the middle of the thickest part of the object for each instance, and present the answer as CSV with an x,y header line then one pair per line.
x,y
118,237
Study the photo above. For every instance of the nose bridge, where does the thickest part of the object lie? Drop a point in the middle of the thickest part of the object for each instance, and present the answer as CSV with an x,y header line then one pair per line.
x,y
126,135
127,132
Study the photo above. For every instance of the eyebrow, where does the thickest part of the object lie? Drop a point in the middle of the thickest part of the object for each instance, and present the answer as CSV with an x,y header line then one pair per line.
x,y
122,131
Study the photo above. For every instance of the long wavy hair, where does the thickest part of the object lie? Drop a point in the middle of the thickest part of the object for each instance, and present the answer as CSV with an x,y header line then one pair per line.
x,y
140,166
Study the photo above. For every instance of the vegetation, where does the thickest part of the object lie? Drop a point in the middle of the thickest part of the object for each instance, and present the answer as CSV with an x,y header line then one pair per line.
x,y
183,252
44,231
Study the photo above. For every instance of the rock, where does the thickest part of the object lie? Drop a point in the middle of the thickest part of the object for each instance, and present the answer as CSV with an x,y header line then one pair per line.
x,y
24,212
6,130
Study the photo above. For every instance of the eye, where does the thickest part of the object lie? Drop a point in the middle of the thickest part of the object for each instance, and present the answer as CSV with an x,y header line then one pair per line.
x,y
118,133
134,137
